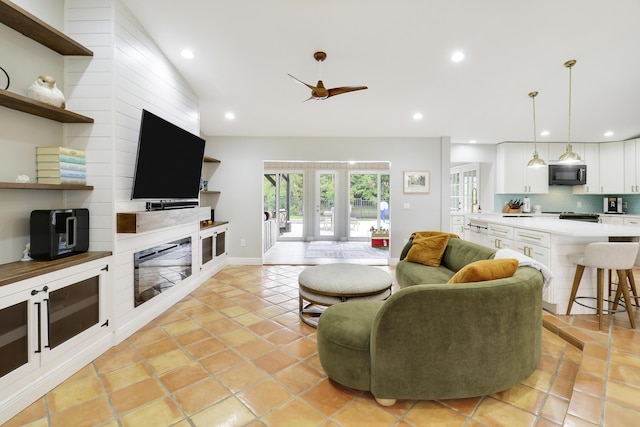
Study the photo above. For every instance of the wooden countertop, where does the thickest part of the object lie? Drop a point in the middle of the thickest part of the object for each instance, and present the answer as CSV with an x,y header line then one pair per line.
x,y
21,270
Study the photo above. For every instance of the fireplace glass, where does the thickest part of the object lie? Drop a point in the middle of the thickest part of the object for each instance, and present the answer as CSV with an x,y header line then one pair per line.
x,y
159,268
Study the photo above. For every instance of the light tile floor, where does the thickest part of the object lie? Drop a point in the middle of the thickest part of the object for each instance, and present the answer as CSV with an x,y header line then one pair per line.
x,y
235,353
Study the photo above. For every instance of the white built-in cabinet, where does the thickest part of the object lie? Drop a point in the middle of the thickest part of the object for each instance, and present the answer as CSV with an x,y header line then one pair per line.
x,y
53,320
512,173
631,169
213,246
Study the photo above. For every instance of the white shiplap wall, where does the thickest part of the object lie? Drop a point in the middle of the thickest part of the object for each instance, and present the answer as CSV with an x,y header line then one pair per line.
x,y
89,91
128,73
143,78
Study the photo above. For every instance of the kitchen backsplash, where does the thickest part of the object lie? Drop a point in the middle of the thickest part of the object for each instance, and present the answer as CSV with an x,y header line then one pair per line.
x,y
561,199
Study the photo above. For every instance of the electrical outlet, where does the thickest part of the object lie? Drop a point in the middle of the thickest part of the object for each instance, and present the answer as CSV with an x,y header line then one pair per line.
x,y
579,204
243,242
406,206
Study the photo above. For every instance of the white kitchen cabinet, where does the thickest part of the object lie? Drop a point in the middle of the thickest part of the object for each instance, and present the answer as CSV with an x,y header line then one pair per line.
x,y
557,149
611,168
512,173
500,236
633,222
534,244
631,169
457,225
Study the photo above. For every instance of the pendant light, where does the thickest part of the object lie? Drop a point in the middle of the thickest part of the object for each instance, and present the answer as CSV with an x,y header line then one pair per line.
x,y
535,162
569,156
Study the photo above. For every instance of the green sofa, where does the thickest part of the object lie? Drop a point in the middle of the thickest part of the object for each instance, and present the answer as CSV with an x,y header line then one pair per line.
x,y
432,340
457,254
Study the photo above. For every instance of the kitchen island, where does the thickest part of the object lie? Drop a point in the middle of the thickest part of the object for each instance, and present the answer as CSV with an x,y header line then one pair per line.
x,y
549,240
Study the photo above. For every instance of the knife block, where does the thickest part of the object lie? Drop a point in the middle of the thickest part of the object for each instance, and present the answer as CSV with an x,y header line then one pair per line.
x,y
507,209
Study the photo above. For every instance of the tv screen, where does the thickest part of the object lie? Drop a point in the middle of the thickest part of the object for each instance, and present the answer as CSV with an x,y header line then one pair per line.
x,y
169,162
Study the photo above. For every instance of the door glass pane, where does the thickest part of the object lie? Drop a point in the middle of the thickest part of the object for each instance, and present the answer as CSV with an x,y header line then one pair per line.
x,y
13,337
269,194
73,309
290,205
326,205
369,205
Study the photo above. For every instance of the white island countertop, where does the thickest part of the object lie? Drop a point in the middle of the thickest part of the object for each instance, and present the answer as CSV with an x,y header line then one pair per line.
x,y
563,227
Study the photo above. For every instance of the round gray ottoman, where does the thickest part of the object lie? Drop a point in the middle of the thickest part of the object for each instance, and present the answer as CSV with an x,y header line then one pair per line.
x,y
328,284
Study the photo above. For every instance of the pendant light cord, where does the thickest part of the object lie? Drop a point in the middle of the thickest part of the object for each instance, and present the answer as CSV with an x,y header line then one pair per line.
x,y
569,129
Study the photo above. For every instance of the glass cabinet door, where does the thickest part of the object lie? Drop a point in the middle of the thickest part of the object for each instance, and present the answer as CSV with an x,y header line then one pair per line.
x,y
14,339
73,309
207,249
220,243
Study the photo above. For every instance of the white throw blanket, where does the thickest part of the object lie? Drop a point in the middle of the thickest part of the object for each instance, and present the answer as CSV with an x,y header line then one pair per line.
x,y
526,261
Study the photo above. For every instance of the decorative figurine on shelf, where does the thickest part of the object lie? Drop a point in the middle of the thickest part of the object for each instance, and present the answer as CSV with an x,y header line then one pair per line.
x,y
25,253
44,89
23,179
8,79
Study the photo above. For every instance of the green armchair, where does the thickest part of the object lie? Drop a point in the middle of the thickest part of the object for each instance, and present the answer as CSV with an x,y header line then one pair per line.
x,y
436,341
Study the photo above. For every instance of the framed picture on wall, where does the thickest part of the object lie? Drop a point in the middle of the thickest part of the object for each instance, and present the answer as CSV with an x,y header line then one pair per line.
x,y
416,181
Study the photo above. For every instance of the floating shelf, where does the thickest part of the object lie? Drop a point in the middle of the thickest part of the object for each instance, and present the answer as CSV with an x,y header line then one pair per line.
x,y
36,186
37,108
209,192
208,159
140,222
22,21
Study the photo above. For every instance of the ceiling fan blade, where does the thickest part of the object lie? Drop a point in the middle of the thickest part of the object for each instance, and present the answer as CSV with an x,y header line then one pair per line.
x,y
345,89
301,82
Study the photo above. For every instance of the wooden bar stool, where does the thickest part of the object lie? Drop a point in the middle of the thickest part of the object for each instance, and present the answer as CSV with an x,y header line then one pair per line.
x,y
619,256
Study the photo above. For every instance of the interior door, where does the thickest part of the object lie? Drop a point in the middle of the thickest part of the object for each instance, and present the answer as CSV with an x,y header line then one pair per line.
x,y
325,209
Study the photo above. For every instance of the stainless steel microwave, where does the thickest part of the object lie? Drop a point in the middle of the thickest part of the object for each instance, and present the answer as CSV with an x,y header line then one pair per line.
x,y
567,174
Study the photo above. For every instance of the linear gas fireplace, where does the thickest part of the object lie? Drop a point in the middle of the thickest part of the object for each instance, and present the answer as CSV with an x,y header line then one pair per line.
x,y
159,268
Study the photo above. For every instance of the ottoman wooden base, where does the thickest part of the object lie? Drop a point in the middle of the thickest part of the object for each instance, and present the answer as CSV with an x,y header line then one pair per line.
x,y
324,285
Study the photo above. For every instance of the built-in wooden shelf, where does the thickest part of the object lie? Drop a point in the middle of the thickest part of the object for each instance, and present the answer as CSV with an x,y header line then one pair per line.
x,y
140,222
20,270
36,186
22,21
208,159
37,108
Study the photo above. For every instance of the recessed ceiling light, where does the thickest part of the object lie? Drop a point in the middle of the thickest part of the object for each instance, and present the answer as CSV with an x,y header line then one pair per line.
x,y
544,133
187,53
417,116
229,116
473,141
609,133
457,56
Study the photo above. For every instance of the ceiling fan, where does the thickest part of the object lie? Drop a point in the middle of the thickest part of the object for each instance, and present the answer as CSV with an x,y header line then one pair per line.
x,y
319,92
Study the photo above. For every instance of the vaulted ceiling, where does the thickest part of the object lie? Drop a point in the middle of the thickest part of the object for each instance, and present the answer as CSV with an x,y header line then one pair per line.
x,y
402,51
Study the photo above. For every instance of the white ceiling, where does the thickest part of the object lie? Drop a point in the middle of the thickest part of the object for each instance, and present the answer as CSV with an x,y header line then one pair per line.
x,y
401,50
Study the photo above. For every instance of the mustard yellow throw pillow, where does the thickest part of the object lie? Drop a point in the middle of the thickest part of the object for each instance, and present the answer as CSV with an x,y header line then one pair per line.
x,y
428,250
488,269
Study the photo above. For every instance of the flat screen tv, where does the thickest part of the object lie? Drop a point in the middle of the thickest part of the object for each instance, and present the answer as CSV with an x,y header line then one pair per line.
x,y
169,161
